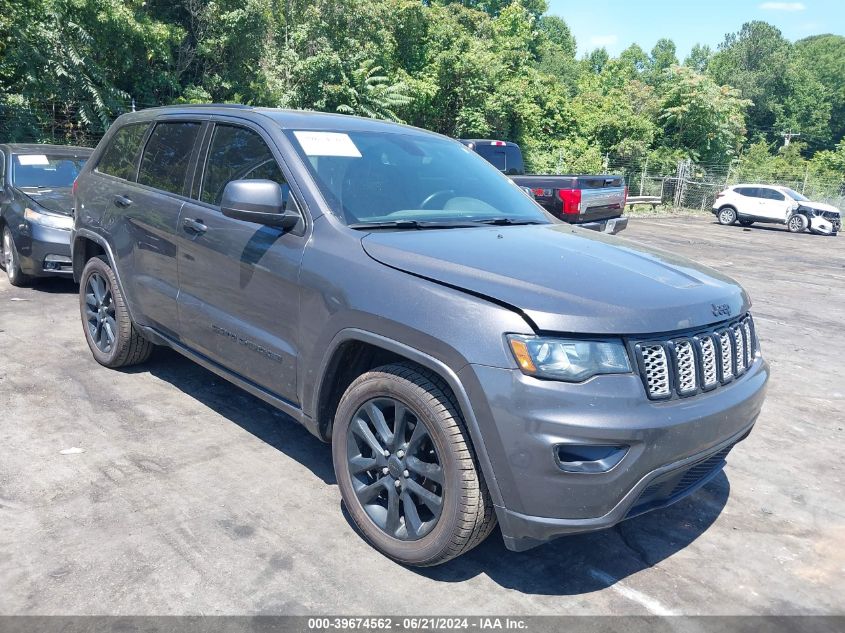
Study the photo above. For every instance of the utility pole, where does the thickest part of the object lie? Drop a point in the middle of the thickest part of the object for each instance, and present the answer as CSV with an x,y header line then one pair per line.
x,y
788,136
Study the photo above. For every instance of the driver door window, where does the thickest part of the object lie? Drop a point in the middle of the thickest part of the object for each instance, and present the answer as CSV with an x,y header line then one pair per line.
x,y
236,153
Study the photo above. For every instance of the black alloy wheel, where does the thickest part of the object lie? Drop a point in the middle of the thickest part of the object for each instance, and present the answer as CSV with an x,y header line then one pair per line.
x,y
395,469
99,313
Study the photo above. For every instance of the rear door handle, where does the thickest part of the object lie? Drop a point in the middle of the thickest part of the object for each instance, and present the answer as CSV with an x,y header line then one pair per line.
x,y
194,226
122,201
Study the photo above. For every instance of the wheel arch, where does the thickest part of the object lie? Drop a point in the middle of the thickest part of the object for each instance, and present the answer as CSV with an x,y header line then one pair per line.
x,y
87,244
354,351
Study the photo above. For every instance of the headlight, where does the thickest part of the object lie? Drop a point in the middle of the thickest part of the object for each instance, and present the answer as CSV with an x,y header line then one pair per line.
x,y
53,220
571,360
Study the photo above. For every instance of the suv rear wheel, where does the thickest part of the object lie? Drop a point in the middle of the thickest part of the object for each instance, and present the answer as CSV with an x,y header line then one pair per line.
x,y
727,215
10,261
406,469
113,338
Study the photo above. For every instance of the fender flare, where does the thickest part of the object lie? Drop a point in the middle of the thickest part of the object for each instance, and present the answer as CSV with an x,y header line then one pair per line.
x,y
104,244
435,365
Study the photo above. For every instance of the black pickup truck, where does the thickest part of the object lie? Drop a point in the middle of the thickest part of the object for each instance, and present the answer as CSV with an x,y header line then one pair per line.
x,y
592,201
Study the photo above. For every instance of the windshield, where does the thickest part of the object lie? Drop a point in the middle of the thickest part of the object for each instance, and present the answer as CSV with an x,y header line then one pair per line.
x,y
45,170
378,177
795,195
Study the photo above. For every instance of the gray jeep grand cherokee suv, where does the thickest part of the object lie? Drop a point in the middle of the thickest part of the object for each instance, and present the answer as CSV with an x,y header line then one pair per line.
x,y
470,358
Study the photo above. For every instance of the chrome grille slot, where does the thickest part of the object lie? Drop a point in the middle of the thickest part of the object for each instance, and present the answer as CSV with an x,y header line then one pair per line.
x,y
749,342
656,366
739,342
727,355
687,381
709,369
683,367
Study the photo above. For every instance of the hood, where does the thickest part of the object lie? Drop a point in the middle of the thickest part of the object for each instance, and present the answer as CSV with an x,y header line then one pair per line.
x,y
58,200
566,279
821,206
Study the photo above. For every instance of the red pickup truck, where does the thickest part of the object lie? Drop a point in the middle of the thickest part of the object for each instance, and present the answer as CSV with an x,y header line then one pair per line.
x,y
592,201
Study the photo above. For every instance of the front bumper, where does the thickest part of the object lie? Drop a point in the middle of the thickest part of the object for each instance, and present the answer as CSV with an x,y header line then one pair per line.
x,y
44,251
611,226
671,448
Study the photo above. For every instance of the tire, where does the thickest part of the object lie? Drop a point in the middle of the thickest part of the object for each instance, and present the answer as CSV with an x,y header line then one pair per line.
x,y
797,223
746,222
727,216
11,262
112,337
415,536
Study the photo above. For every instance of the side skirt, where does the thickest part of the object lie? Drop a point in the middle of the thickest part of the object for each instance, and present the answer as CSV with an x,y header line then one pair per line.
x,y
250,387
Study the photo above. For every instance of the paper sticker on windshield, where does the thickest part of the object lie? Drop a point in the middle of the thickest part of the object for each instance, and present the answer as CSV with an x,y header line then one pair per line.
x,y
327,144
33,159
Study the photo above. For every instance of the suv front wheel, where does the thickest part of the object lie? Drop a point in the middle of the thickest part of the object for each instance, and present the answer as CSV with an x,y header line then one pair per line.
x,y
113,338
406,469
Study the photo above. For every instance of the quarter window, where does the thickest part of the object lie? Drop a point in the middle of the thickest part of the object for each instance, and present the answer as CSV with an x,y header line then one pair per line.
x,y
166,156
121,156
237,153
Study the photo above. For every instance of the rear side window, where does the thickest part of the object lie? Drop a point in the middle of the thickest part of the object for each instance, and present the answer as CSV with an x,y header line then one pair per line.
x,y
121,156
166,156
751,192
236,153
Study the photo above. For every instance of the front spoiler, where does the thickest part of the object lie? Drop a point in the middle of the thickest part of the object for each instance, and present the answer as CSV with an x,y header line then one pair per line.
x,y
522,532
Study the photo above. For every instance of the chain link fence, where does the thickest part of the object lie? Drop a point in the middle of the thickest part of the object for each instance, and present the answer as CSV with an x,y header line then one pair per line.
x,y
691,185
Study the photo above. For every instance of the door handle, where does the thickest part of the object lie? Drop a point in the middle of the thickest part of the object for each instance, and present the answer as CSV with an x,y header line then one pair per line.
x,y
122,201
194,226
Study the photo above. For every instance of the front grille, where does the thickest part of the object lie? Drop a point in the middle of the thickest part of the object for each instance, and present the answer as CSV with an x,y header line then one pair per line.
x,y
686,365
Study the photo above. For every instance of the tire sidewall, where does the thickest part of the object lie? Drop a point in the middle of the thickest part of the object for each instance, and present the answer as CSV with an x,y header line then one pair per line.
x,y
13,270
97,265
432,544
731,213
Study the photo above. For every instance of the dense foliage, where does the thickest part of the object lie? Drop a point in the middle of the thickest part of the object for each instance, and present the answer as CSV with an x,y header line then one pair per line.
x,y
478,68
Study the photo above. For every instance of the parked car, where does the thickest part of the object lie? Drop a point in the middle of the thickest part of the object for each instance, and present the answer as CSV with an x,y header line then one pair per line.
x,y
36,209
591,201
748,204
469,357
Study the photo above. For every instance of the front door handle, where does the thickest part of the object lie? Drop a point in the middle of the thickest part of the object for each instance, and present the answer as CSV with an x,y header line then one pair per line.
x,y
122,201
194,226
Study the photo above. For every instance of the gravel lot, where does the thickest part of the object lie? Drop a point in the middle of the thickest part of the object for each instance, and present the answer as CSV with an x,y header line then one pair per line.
x,y
192,497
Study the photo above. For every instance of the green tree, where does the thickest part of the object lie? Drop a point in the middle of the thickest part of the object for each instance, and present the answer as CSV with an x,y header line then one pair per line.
x,y
701,117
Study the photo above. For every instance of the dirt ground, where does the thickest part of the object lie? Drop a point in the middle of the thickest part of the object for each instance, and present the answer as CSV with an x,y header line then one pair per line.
x,y
191,497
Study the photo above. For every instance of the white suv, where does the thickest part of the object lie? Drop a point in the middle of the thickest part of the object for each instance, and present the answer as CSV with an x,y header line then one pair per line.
x,y
780,205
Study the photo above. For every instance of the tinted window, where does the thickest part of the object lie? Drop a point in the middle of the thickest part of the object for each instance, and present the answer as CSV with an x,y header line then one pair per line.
x,y
236,153
45,170
166,155
121,156
771,194
751,192
506,158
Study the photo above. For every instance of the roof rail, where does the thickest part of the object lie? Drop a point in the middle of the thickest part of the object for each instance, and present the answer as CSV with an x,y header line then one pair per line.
x,y
239,106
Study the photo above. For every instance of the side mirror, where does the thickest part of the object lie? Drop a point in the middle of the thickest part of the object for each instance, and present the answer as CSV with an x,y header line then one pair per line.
x,y
259,201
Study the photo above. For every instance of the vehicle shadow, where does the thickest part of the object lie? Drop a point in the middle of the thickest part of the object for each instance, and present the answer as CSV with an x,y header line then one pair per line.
x,y
55,285
571,565
250,413
583,563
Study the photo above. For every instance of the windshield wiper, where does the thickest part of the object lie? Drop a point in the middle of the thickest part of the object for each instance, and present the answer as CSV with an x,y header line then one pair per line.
x,y
415,224
506,221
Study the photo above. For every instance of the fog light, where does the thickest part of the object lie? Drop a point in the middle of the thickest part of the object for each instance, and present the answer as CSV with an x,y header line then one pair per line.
x,y
588,458
57,262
